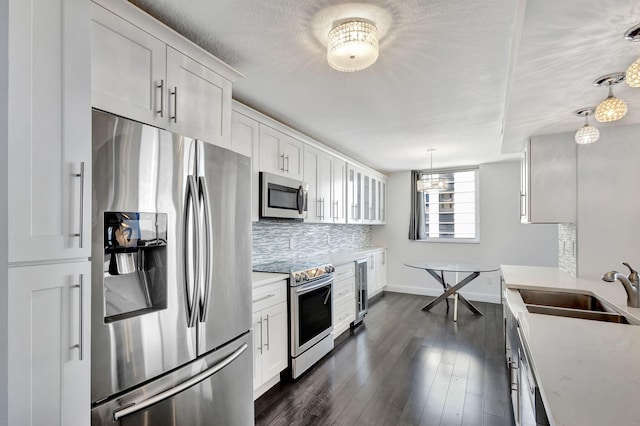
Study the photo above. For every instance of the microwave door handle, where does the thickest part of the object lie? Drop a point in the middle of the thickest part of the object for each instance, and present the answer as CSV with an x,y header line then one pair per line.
x,y
300,199
134,408
203,194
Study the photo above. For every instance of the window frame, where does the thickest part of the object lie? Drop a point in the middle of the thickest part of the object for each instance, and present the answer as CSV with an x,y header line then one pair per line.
x,y
448,240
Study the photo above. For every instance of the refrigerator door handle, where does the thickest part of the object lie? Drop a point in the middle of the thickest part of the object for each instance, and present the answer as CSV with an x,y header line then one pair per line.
x,y
130,409
191,201
203,194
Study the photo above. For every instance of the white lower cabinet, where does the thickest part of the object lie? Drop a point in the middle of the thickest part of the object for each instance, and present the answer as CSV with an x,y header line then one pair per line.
x,y
269,335
49,344
377,273
344,302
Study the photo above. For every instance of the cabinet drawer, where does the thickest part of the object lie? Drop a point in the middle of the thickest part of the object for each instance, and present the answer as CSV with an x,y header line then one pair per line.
x,y
269,295
344,271
343,289
343,315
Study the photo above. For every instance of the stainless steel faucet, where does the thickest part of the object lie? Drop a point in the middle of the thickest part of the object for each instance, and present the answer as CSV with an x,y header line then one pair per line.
x,y
630,284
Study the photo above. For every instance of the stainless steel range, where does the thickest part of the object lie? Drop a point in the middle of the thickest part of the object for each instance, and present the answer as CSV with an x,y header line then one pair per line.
x,y
310,311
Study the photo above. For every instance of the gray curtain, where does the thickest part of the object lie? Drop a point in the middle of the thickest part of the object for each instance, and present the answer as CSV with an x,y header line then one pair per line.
x,y
416,220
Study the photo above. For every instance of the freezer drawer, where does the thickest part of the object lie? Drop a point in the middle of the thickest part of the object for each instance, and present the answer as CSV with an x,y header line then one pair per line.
x,y
222,397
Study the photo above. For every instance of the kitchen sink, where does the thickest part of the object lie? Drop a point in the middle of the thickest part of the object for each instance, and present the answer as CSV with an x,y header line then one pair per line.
x,y
558,299
578,313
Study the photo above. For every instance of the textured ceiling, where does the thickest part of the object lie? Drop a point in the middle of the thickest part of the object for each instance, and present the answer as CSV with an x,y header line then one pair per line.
x,y
441,81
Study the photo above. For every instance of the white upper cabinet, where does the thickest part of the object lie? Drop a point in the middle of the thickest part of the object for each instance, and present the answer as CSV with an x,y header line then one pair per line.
x,y
280,153
548,186
354,194
317,176
245,137
339,195
140,75
49,130
382,199
128,68
199,100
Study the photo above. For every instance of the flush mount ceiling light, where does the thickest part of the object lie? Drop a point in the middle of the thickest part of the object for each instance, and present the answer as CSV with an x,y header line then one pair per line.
x,y
586,134
352,45
427,182
633,73
612,108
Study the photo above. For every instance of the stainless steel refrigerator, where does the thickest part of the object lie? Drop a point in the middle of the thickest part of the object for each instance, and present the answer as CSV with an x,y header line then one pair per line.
x,y
171,279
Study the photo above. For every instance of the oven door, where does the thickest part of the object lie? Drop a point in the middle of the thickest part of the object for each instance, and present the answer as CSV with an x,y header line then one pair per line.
x,y
281,197
311,314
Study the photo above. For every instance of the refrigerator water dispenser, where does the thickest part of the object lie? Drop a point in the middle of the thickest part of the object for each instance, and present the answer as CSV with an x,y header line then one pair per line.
x,y
134,264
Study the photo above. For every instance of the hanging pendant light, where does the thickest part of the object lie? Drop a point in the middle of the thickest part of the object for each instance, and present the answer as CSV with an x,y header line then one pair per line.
x,y
427,182
633,72
586,134
612,108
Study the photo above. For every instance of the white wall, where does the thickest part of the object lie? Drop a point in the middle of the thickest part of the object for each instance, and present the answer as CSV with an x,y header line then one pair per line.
x,y
609,202
503,240
4,81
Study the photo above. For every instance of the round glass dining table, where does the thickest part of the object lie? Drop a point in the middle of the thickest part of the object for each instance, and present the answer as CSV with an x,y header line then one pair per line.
x,y
437,269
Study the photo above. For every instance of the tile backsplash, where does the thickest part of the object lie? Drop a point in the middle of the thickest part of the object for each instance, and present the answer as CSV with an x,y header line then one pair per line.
x,y
276,240
567,240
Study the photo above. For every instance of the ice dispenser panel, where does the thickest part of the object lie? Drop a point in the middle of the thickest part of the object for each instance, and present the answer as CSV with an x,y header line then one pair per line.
x,y
135,262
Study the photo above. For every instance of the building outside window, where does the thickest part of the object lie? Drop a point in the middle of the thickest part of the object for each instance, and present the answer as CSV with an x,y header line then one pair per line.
x,y
452,214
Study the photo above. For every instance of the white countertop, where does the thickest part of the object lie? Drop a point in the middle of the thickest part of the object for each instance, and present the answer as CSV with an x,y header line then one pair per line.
x,y
588,371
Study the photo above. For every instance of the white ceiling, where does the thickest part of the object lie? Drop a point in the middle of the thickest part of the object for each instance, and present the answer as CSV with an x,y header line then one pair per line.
x,y
444,77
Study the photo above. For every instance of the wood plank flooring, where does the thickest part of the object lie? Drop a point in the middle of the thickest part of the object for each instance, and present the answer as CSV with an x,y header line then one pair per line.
x,y
403,367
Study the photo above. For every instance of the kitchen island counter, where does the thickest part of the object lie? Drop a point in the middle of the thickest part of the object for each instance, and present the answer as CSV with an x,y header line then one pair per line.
x,y
587,371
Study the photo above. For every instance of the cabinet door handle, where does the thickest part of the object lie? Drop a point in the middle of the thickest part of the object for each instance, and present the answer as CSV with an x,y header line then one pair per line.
x,y
80,233
267,321
161,87
282,156
174,93
287,158
80,344
260,347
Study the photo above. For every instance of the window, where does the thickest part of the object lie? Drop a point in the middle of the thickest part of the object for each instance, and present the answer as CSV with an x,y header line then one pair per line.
x,y
452,214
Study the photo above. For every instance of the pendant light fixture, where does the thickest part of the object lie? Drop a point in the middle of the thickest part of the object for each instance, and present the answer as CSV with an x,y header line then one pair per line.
x,y
633,72
612,108
586,134
427,182
352,45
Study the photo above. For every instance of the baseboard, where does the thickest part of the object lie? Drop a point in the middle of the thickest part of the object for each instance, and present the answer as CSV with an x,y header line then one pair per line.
x,y
421,291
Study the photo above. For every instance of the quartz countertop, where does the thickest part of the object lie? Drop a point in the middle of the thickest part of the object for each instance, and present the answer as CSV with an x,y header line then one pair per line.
x,y
587,371
351,256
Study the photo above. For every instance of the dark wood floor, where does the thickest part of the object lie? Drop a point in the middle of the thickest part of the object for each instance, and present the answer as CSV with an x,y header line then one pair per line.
x,y
403,367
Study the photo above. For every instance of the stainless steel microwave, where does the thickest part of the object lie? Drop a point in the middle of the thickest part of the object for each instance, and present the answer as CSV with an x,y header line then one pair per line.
x,y
282,197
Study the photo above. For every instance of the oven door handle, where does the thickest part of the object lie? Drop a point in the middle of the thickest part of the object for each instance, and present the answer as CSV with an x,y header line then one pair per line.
x,y
308,287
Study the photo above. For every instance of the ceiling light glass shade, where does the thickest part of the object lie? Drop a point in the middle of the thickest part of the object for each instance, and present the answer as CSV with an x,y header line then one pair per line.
x,y
587,134
352,45
428,183
611,109
633,74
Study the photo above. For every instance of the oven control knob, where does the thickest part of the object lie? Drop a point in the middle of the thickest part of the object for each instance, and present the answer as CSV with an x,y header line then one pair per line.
x,y
297,277
329,269
305,276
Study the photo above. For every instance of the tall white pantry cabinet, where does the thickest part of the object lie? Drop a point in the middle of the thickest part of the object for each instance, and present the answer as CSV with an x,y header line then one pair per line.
x,y
49,191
